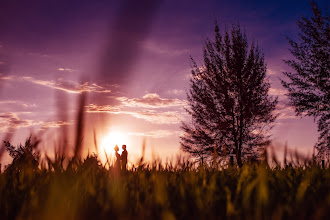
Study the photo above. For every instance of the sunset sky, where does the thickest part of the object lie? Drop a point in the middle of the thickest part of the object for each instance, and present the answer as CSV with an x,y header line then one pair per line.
x,y
132,59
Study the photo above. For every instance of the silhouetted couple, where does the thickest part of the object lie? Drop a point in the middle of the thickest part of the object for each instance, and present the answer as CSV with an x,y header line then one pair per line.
x,y
121,160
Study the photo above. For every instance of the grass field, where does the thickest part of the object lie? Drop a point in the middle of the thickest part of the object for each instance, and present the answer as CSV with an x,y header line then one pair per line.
x,y
31,188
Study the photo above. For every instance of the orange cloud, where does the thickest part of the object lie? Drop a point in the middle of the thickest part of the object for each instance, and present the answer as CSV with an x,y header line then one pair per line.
x,y
277,91
168,117
149,108
68,86
92,108
152,116
55,124
157,133
285,112
11,120
66,70
151,100
4,77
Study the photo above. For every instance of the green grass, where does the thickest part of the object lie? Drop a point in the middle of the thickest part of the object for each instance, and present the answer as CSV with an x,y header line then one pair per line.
x,y
86,189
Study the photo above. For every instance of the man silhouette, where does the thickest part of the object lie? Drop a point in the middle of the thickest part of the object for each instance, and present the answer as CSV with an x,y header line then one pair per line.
x,y
124,158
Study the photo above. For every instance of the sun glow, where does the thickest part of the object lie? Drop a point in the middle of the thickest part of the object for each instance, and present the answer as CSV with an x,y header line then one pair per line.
x,y
112,139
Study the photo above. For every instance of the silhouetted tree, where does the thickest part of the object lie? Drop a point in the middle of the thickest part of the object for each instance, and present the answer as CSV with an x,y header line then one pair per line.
x,y
309,86
228,100
24,157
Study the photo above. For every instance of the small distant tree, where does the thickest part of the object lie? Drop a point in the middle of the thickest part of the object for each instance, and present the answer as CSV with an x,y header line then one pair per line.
x,y
309,85
228,100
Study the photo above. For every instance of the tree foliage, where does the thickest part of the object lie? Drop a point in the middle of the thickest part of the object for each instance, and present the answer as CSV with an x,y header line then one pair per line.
x,y
24,157
309,85
229,104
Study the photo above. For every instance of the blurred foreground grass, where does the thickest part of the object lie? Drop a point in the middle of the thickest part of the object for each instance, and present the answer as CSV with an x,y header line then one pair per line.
x,y
86,189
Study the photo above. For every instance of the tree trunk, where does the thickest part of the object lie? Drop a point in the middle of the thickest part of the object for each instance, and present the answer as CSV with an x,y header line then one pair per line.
x,y
238,158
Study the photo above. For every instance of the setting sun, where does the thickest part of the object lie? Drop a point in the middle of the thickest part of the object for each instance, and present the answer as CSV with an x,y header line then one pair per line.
x,y
112,139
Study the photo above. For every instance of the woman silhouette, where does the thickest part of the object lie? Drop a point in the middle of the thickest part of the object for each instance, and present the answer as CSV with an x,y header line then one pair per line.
x,y
117,163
